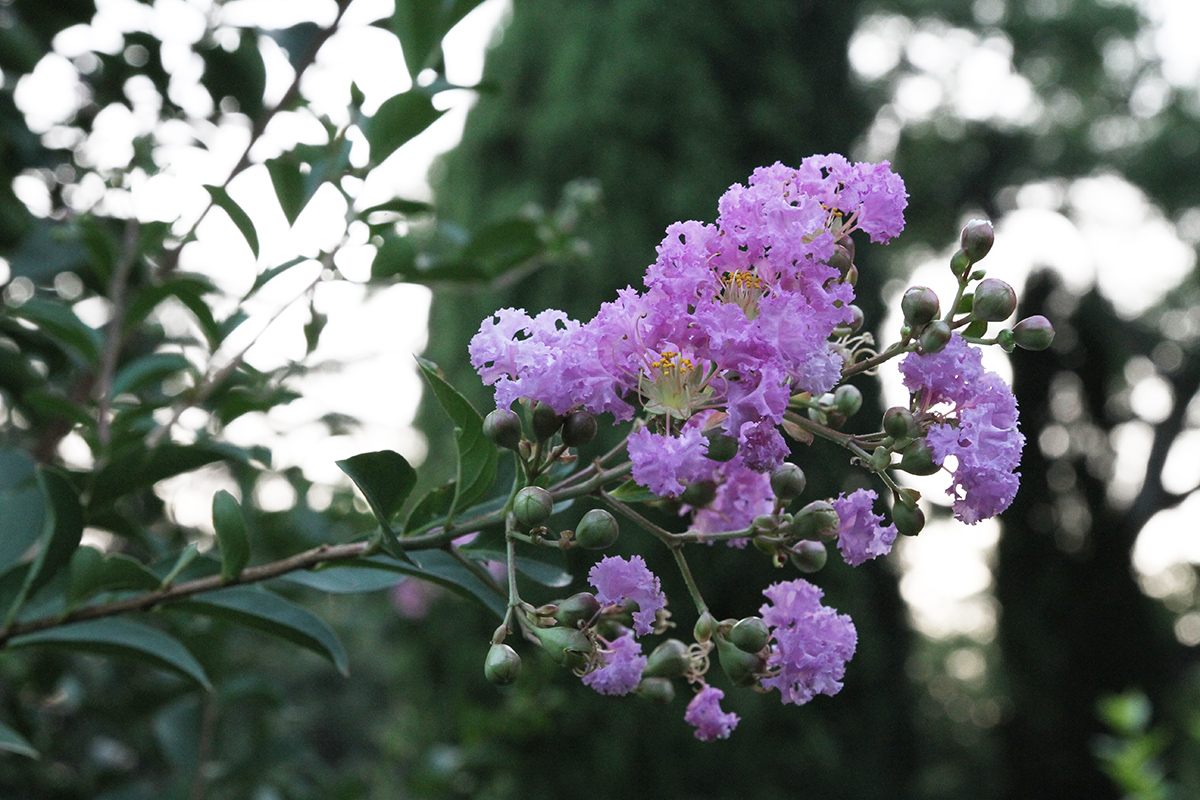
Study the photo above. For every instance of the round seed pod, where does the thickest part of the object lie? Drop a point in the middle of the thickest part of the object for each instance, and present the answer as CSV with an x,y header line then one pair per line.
x,y
545,421
750,634
977,239
847,400
741,667
659,690
568,647
699,494
597,530
920,306
788,481
816,520
898,422
532,506
935,337
1033,333
994,300
721,446
578,608
578,428
668,660
908,521
502,665
502,427
808,556
918,458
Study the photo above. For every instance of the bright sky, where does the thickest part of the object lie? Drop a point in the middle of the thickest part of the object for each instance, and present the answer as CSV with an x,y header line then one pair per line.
x,y
1090,230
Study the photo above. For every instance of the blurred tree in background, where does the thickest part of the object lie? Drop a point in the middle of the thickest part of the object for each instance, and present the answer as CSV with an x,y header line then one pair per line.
x,y
598,124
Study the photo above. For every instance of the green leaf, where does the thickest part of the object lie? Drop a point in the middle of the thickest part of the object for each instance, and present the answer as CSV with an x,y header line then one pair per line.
x,y
445,570
535,569
399,205
92,572
501,246
63,528
436,504
240,218
422,24
13,742
59,322
119,638
184,561
352,579
150,369
189,289
386,479
399,119
293,190
240,74
138,469
231,535
22,507
267,275
477,456
272,614
633,492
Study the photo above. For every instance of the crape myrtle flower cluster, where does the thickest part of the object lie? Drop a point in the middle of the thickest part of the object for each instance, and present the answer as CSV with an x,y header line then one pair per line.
x,y
745,330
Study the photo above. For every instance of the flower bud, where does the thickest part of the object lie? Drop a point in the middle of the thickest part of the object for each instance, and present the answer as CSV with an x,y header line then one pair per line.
x,y
660,690
857,318
1004,338
808,556
577,609
533,505
502,665
578,429
960,262
898,422
545,421
841,260
1033,333
908,521
704,627
597,530
920,306
815,520
881,459
721,446
852,276
749,635
699,494
847,400
741,667
847,242
935,337
918,458
977,239
568,647
788,481
995,300
668,660
502,427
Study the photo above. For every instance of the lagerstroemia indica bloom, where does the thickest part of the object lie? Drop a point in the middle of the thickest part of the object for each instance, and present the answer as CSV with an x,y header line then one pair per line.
x,y
861,537
979,429
621,669
812,642
618,580
705,714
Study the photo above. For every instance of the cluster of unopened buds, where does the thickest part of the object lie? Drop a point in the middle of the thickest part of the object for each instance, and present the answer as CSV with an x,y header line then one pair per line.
x,y
746,331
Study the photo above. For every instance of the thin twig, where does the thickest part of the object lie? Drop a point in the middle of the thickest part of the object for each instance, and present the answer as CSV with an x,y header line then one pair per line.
x,y
114,334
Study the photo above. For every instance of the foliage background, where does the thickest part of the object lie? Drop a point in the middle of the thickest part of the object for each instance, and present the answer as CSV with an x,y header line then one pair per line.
x,y
660,107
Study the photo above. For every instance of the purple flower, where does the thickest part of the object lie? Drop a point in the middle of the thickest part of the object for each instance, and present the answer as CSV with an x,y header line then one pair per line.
x,y
705,715
618,581
946,377
621,671
986,444
860,535
665,464
812,642
742,494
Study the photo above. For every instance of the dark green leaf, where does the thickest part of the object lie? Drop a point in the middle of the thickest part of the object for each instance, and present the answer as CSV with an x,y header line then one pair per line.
x,y
292,188
184,561
502,246
120,638
58,321
231,535
22,507
188,289
297,41
149,369
13,742
139,469
399,119
240,218
92,572
63,529
52,406
422,24
400,206
344,580
445,570
272,614
477,456
385,478
312,328
633,492
267,274
435,505
239,74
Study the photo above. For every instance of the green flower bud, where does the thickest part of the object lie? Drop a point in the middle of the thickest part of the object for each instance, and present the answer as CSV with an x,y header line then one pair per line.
x,y
577,609
841,260
908,521
568,647
977,239
920,306
935,336
881,459
699,494
857,318
660,690
668,660
749,635
502,665
1033,333
847,242
918,458
898,422
847,400
1004,338
502,427
545,421
788,481
533,505
597,530
578,429
816,520
995,300
742,668
721,446
808,556
960,262
704,628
